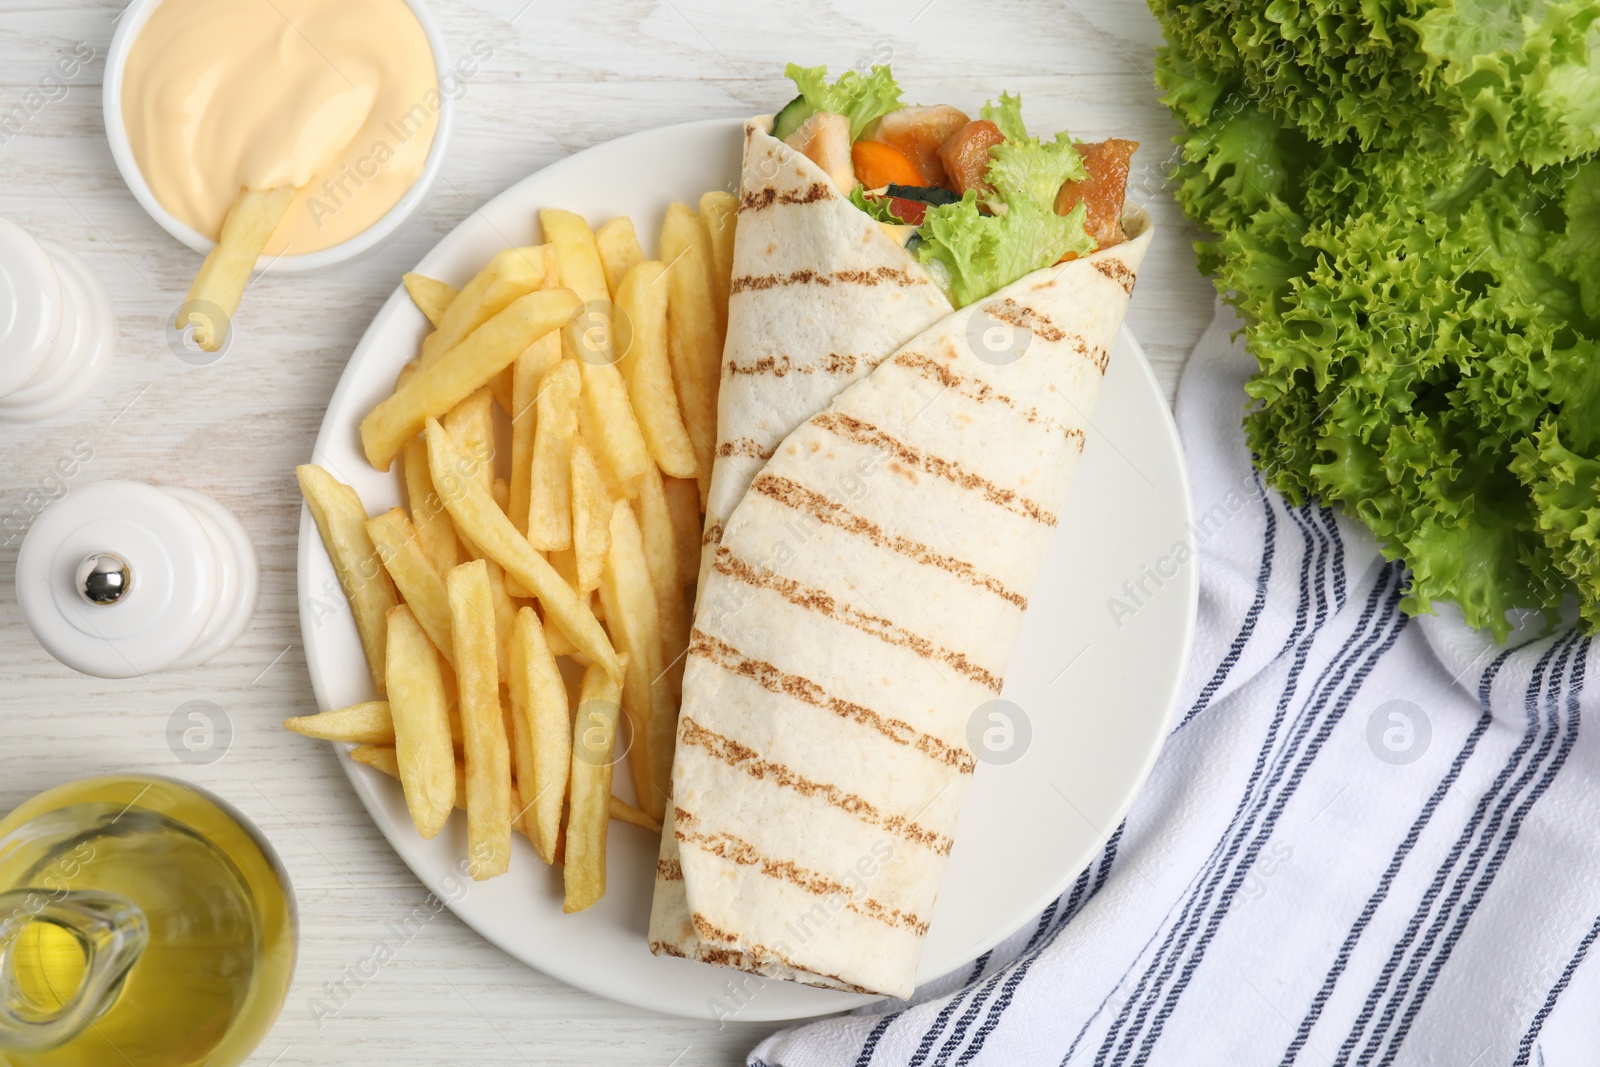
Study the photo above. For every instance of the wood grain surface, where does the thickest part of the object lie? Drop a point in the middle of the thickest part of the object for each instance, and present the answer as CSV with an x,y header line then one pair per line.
x,y
561,75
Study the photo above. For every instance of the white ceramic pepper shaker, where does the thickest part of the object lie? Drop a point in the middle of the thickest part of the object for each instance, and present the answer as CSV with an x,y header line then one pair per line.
x,y
121,578
57,329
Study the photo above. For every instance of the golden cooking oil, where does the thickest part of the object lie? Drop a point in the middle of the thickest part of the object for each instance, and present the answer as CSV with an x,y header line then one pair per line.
x,y
218,926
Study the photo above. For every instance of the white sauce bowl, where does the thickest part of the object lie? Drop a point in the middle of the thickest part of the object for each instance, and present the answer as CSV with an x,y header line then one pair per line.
x,y
133,19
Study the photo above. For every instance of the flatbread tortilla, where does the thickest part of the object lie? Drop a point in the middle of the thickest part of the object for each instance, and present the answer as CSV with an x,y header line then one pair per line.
x,y
859,607
820,294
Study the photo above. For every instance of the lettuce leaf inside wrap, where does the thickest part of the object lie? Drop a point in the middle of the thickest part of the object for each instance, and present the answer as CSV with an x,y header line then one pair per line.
x,y
861,98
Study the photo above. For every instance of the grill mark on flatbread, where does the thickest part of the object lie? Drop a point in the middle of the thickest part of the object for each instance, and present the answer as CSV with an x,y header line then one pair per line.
x,y
1117,271
760,201
782,366
723,957
871,276
669,870
826,605
708,932
853,429
741,852
721,654
750,762
713,535
754,954
982,392
798,498
745,446
1025,318
664,948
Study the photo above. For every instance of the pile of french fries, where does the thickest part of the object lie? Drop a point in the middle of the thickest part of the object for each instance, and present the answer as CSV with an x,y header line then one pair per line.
x,y
526,616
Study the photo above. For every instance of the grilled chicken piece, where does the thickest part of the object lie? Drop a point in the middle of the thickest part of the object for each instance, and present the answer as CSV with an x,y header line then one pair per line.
x,y
918,132
824,138
965,155
1103,191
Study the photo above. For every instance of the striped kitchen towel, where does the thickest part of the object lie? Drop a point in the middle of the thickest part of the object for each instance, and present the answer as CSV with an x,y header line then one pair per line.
x,y
1370,839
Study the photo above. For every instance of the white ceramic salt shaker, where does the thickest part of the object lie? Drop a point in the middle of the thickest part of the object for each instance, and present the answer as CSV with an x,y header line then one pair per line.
x,y
121,578
57,329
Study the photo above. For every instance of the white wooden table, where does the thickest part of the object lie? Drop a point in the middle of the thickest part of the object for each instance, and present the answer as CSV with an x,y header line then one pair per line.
x,y
563,75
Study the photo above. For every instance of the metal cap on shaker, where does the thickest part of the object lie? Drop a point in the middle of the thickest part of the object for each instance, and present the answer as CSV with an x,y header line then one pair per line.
x,y
121,578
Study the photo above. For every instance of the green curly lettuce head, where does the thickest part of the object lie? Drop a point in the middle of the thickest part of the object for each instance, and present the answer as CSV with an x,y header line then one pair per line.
x,y
1577,255
1518,76
1511,81
1401,371
1564,487
1405,205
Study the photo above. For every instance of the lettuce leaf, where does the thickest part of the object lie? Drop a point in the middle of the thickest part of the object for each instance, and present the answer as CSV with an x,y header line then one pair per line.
x,y
877,210
1022,167
1007,115
1409,353
1511,81
861,98
1421,294
1565,487
973,254
982,253
1578,255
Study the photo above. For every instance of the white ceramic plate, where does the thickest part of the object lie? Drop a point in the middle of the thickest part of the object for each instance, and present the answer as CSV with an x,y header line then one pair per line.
x,y
1097,691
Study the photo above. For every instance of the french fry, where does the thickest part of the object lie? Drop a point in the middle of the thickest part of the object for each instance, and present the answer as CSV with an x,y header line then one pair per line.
x,y
246,228
591,518
720,211
622,811
688,524
631,616
379,758
550,489
542,732
504,385
483,724
432,297
527,375
401,552
511,274
368,723
487,527
565,563
692,344
505,615
577,255
501,492
421,721
612,428
560,645
642,301
435,532
590,339
341,519
505,609
594,738
619,250
383,758
441,385
370,719
661,553
470,425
